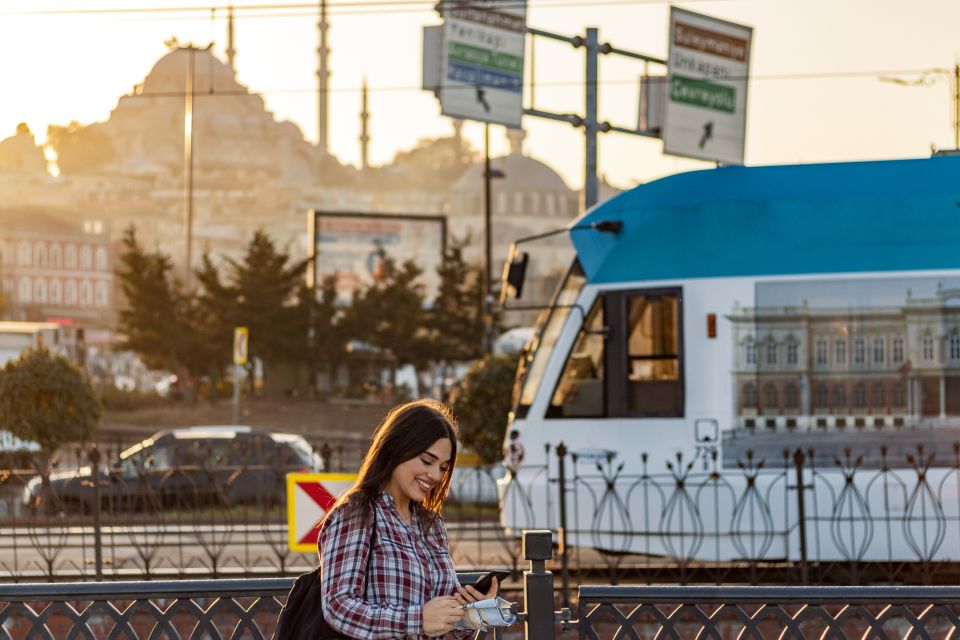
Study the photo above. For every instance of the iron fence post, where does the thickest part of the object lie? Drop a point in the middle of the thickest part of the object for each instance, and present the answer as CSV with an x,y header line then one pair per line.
x,y
798,460
538,586
94,456
562,533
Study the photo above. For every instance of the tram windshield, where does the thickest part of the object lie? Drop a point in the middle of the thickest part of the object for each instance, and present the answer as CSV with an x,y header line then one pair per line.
x,y
549,327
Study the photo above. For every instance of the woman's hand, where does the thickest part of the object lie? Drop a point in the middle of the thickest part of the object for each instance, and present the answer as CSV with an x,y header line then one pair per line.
x,y
440,614
468,594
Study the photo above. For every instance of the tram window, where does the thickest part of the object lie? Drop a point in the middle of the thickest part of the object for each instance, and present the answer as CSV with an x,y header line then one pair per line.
x,y
654,377
580,391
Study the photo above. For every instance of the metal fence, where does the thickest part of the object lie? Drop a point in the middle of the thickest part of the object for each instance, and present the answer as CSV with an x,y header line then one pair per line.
x,y
860,518
247,609
762,613
856,518
211,609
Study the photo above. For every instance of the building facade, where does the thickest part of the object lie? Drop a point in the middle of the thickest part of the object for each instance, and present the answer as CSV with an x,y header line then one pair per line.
x,y
832,367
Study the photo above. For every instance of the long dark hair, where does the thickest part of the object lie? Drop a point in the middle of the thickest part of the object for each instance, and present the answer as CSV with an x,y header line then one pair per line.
x,y
406,432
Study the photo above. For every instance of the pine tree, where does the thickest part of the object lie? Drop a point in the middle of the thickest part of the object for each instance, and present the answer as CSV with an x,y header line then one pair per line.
x,y
330,328
389,314
155,320
456,319
266,292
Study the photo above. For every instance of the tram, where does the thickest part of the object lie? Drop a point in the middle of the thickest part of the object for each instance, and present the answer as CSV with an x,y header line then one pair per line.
x,y
724,334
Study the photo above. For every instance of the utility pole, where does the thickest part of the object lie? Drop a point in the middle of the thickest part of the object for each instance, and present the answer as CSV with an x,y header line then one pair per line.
x,y
591,187
188,167
488,175
590,122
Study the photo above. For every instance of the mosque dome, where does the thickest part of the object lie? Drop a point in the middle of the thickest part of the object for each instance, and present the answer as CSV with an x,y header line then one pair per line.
x,y
520,172
210,74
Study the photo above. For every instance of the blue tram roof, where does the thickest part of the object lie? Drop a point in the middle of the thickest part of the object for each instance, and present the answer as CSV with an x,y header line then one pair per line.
x,y
848,217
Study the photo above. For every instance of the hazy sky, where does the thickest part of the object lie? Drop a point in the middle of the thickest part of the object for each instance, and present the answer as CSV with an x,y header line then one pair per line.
x,y
815,93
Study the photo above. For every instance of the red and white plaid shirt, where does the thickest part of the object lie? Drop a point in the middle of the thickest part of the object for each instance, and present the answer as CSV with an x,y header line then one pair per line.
x,y
377,575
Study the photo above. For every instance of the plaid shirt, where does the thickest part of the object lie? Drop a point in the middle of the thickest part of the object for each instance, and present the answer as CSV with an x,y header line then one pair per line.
x,y
376,576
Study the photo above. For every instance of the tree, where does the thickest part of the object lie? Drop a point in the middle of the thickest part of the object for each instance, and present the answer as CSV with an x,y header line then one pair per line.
x,y
389,314
482,404
330,331
46,399
267,297
456,319
158,321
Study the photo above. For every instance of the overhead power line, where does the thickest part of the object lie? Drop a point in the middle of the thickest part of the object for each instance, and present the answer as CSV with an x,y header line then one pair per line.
x,y
342,7
826,75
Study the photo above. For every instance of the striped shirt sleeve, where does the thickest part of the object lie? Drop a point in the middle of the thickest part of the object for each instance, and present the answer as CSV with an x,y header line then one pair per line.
x,y
345,546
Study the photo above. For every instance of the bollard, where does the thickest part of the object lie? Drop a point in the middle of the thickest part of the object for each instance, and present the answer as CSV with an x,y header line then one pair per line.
x,y
538,586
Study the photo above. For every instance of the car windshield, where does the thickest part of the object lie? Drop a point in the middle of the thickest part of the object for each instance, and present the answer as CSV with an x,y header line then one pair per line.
x,y
549,327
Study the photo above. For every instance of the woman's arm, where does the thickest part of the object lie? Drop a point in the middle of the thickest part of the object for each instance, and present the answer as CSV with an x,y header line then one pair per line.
x,y
345,546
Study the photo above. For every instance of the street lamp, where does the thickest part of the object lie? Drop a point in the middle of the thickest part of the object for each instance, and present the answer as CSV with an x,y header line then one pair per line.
x,y
929,77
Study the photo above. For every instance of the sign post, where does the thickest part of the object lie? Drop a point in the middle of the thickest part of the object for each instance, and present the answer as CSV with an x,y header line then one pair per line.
x,y
309,497
241,347
482,60
705,115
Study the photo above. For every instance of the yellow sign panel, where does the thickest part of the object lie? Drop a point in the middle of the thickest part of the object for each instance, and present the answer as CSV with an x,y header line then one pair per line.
x,y
241,345
309,497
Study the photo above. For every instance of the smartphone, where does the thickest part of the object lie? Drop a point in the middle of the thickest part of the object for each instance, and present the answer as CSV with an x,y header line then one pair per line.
x,y
486,580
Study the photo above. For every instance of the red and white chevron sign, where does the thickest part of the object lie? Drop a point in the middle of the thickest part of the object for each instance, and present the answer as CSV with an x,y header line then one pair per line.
x,y
309,497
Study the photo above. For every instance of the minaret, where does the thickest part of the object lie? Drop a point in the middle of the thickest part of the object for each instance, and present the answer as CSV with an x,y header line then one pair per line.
x,y
323,76
231,52
364,132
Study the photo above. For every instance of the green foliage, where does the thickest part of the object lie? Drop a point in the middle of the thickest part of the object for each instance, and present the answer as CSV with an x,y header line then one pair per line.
x,y
389,314
156,320
456,320
266,296
482,404
330,333
46,399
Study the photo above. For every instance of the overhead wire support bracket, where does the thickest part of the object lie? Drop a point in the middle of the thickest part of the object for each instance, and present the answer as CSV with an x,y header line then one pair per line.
x,y
589,121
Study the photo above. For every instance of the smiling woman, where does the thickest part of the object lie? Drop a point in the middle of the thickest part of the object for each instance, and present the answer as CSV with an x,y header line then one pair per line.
x,y
385,561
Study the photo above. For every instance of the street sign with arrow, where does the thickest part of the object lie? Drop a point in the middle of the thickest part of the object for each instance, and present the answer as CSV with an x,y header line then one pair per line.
x,y
482,60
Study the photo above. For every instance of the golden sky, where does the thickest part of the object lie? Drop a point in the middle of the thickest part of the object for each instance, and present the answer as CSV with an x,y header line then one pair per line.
x,y
815,93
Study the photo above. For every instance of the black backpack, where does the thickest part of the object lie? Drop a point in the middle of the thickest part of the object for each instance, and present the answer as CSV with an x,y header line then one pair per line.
x,y
302,616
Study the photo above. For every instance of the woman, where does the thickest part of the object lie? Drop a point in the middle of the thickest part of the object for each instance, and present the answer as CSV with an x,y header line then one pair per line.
x,y
385,562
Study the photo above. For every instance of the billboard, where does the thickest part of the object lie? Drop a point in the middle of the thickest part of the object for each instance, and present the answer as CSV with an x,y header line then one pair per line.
x,y
705,112
482,60
348,245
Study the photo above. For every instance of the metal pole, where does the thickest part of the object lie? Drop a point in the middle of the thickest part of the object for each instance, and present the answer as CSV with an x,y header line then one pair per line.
x,y
94,457
188,168
237,372
956,106
487,245
538,586
590,183
562,489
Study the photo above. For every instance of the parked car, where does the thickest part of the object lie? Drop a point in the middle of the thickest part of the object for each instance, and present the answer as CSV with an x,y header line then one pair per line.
x,y
186,468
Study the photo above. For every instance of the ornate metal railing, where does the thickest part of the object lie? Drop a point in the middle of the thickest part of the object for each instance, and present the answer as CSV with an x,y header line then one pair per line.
x,y
173,610
769,613
798,519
